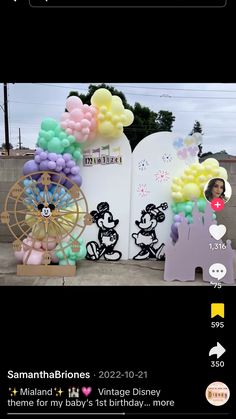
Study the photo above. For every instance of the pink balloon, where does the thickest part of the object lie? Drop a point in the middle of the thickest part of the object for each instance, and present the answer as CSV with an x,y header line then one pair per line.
x,y
49,243
35,257
64,125
77,115
73,102
27,243
85,123
71,124
93,124
78,126
64,116
37,245
78,136
86,108
85,131
54,259
69,131
88,115
93,110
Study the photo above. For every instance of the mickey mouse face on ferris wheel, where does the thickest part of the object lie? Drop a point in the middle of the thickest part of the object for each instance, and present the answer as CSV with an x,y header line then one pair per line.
x,y
46,211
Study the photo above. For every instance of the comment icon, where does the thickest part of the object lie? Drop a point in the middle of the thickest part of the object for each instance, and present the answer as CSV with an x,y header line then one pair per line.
x,y
217,271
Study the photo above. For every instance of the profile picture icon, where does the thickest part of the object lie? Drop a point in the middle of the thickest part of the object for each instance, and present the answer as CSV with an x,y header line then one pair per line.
x,y
217,188
217,393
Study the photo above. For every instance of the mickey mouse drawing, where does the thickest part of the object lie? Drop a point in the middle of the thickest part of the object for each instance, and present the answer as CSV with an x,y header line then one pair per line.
x,y
146,238
107,236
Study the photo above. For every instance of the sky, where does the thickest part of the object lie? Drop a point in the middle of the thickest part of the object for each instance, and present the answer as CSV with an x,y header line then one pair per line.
x,y
212,104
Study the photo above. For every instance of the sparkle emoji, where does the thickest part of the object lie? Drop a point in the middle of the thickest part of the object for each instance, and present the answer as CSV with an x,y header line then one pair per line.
x,y
13,392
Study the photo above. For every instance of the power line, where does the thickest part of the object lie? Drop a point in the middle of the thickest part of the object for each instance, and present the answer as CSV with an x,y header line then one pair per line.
x,y
143,87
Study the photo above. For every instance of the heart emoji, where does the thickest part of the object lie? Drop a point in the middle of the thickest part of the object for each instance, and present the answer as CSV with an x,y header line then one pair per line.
x,y
86,391
217,231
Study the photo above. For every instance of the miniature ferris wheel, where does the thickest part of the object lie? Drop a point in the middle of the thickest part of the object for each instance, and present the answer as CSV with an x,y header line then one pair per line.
x,y
46,213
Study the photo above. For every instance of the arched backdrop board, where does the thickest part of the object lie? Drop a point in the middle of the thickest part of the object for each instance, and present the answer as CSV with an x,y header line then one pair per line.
x,y
156,160
106,174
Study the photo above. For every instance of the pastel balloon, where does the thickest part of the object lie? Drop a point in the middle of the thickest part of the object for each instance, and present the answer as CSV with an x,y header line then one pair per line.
x,y
73,102
101,97
223,173
191,191
129,117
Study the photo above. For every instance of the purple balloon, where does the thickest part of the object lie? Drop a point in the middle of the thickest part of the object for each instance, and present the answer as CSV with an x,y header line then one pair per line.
x,y
66,170
43,165
77,179
75,170
29,167
61,162
58,169
56,178
43,155
67,157
37,158
52,165
70,164
38,150
53,156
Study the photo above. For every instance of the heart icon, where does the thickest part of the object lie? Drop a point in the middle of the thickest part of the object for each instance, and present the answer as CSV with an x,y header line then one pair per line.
x,y
217,231
86,391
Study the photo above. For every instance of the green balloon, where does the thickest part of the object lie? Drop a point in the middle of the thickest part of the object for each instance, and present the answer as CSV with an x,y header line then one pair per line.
x,y
71,139
188,209
55,146
49,124
189,218
62,135
42,143
65,143
51,135
70,149
77,155
57,130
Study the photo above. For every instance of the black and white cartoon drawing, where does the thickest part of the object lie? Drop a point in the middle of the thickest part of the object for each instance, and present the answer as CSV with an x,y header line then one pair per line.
x,y
107,235
146,238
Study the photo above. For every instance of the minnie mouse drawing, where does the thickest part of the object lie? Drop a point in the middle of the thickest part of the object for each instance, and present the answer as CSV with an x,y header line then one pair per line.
x,y
107,236
146,238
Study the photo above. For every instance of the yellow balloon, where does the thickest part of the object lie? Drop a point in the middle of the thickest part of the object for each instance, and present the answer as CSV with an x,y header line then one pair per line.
x,y
191,191
116,107
116,98
129,117
101,97
222,173
106,128
211,162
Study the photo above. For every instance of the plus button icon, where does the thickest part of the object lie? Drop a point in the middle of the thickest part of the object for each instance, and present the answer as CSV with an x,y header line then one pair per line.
x,y
217,204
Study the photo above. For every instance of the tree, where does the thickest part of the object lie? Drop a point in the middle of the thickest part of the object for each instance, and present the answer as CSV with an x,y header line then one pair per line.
x,y
197,128
165,120
4,146
146,122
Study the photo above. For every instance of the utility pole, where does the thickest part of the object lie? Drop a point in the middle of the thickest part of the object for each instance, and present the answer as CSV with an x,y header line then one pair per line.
x,y
7,142
20,140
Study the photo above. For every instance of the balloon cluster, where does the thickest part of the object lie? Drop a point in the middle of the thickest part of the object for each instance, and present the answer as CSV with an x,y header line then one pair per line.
x,y
111,116
60,163
191,184
187,148
74,250
80,121
35,257
189,188
55,140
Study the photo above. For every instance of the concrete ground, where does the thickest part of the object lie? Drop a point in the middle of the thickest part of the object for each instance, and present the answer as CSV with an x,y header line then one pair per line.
x,y
131,272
